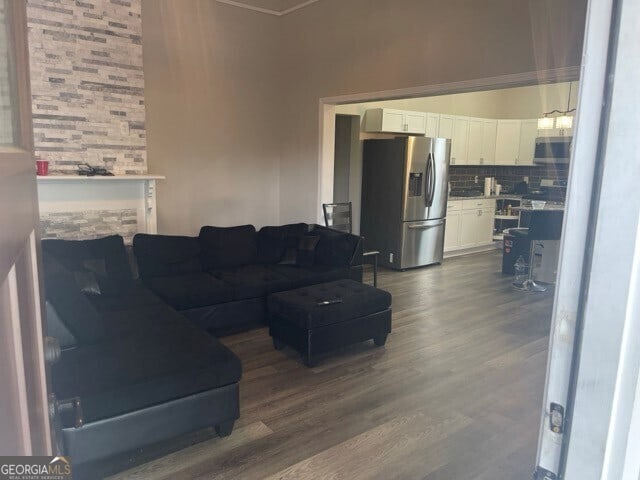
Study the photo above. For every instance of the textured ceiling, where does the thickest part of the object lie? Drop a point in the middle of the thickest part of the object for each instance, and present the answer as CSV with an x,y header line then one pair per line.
x,y
276,7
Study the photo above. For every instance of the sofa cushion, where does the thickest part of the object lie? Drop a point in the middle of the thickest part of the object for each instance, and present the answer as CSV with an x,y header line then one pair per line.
x,y
138,320
301,307
272,241
162,255
191,290
224,247
303,276
137,296
106,258
252,281
138,371
73,308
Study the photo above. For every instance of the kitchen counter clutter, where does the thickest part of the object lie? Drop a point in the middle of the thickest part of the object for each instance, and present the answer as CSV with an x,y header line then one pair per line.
x,y
493,197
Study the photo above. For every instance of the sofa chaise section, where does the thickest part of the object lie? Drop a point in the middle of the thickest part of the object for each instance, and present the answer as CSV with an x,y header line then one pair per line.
x,y
139,371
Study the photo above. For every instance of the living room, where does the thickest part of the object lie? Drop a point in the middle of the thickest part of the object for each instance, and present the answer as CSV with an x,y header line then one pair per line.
x,y
201,133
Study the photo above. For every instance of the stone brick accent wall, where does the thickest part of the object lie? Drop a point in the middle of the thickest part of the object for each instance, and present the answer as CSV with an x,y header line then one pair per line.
x,y
90,224
87,84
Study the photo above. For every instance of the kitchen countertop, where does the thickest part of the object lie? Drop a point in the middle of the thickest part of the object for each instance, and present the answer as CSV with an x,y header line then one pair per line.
x,y
547,207
490,197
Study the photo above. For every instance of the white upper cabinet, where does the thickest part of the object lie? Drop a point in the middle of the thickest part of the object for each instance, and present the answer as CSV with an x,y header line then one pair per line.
x,y
415,122
395,121
507,142
481,141
476,134
460,141
457,129
445,127
433,125
489,132
528,134
474,141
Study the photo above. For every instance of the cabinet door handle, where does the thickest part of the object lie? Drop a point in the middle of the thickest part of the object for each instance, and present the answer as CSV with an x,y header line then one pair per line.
x,y
453,160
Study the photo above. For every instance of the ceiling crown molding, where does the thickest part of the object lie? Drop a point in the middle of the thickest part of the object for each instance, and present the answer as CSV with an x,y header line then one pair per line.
x,y
268,11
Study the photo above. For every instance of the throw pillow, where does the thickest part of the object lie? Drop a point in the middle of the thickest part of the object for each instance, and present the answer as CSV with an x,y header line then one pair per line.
x,y
300,251
74,309
87,283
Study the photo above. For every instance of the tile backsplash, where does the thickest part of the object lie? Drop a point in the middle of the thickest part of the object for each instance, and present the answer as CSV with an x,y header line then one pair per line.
x,y
463,176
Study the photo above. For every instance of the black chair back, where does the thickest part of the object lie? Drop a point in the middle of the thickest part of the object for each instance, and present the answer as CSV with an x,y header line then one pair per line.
x,y
545,224
338,216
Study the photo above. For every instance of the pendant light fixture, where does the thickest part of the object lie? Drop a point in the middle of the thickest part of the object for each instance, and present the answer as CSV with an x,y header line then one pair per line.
x,y
562,122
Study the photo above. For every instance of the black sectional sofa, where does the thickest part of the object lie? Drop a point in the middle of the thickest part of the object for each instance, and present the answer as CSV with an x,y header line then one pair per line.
x,y
137,366
221,279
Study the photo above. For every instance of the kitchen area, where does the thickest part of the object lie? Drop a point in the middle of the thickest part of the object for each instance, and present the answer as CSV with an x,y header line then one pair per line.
x,y
503,175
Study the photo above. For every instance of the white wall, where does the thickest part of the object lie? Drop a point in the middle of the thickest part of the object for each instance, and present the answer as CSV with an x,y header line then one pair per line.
x,y
212,90
233,95
347,47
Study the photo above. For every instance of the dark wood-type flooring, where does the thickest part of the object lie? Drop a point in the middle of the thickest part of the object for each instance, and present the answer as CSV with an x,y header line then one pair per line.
x,y
455,393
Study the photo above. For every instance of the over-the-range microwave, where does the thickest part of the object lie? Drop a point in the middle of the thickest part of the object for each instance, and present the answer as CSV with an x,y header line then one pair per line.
x,y
552,150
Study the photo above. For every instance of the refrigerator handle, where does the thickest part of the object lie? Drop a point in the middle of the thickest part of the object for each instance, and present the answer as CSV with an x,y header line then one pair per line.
x,y
432,190
428,183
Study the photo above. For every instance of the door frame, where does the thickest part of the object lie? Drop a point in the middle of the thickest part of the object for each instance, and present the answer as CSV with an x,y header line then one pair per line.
x,y
603,407
24,398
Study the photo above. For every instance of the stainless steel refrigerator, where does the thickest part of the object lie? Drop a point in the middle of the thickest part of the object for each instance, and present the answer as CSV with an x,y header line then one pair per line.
x,y
404,199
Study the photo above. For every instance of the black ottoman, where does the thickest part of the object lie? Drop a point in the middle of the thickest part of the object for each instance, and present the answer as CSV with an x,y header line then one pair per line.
x,y
322,317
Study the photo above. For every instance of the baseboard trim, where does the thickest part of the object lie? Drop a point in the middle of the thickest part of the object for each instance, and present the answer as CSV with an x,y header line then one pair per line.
x,y
468,251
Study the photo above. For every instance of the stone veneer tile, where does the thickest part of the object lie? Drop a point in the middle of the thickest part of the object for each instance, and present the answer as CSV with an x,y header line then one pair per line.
x,y
87,84
89,224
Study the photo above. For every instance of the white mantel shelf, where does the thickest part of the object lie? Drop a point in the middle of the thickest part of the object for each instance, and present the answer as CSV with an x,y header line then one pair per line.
x,y
100,178
80,193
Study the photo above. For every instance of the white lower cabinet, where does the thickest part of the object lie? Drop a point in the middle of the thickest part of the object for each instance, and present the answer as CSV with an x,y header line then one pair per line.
x,y
476,228
452,225
469,224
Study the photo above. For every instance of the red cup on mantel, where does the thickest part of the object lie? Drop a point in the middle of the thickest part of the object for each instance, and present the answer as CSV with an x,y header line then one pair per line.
x,y
42,167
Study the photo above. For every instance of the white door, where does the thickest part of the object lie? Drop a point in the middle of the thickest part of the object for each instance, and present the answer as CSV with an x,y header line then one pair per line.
x,y
528,134
415,122
433,123
24,422
507,142
489,132
392,120
474,152
445,127
471,228
460,140
485,234
452,231
594,360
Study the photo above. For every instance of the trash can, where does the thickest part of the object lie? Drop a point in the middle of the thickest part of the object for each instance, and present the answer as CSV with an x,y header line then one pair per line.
x,y
512,247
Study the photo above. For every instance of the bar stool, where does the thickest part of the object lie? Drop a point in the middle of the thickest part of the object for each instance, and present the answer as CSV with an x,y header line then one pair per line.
x,y
543,225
